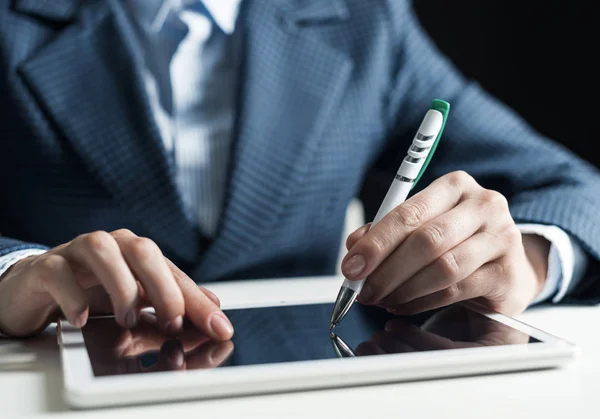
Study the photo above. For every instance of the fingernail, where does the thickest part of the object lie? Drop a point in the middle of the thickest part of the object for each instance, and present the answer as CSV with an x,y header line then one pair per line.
x,y
176,358
221,326
219,353
354,266
173,350
131,318
366,294
81,318
174,327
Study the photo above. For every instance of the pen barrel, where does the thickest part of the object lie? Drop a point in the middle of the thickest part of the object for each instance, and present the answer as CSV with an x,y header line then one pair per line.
x,y
409,172
412,163
396,195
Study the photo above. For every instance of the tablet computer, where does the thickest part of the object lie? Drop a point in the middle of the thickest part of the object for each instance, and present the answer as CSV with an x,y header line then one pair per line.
x,y
284,346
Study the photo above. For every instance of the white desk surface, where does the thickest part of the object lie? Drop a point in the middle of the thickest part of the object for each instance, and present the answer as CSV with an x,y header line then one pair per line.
x,y
34,390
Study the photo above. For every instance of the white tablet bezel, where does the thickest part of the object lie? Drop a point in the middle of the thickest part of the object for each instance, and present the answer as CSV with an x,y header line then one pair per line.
x,y
83,390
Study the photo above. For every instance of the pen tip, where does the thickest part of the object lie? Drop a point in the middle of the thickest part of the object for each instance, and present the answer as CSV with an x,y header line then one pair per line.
x,y
331,326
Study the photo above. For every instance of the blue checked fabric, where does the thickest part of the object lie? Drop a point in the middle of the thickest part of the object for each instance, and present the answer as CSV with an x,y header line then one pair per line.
x,y
329,96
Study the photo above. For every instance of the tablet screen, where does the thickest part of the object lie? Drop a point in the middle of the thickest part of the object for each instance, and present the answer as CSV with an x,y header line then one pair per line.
x,y
290,334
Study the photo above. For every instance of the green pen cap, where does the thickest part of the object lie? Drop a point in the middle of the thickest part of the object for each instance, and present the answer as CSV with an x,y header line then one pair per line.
x,y
444,108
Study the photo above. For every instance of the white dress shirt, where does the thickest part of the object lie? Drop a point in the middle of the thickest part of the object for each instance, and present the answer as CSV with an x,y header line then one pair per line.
x,y
191,70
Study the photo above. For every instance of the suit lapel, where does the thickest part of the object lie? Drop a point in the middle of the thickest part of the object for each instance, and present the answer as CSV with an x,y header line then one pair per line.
x,y
292,82
58,10
89,81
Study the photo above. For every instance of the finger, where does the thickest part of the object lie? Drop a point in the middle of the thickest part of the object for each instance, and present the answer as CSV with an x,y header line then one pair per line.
x,y
100,253
211,295
392,343
178,273
123,233
150,268
357,235
384,237
57,279
128,366
209,355
171,356
368,348
200,309
421,340
98,300
423,246
147,336
450,268
480,283
145,302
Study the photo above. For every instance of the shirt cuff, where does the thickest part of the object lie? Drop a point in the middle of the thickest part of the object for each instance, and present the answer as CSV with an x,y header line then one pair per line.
x,y
565,261
10,259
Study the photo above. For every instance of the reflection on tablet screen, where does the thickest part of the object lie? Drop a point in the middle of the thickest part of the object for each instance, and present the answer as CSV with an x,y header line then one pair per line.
x,y
289,333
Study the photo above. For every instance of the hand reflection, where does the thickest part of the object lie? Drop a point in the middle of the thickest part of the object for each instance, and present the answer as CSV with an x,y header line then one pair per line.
x,y
451,328
115,350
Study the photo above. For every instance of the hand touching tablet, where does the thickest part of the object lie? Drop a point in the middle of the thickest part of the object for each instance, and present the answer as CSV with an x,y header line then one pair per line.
x,y
103,272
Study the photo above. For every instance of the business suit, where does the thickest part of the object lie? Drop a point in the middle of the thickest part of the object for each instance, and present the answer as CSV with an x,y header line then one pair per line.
x,y
330,96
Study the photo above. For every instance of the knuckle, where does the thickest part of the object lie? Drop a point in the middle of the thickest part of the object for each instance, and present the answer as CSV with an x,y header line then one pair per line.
x,y
122,292
513,236
377,281
125,294
410,214
373,248
49,266
496,270
460,179
448,267
451,293
123,232
353,238
98,241
504,270
431,237
143,249
494,199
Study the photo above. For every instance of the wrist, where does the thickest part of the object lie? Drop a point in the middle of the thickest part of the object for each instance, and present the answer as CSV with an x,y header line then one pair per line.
x,y
16,266
21,301
537,251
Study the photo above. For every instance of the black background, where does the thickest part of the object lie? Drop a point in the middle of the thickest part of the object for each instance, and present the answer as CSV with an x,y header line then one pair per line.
x,y
536,56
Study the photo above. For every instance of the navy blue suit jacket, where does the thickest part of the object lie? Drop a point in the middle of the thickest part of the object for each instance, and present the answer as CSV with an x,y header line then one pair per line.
x,y
332,92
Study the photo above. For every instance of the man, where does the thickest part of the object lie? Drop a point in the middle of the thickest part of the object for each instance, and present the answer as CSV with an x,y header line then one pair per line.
x,y
148,145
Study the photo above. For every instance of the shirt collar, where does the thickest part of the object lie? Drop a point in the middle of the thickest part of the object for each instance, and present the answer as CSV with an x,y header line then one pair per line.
x,y
223,12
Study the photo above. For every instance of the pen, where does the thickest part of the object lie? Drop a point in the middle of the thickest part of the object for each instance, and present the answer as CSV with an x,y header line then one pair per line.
x,y
341,348
410,171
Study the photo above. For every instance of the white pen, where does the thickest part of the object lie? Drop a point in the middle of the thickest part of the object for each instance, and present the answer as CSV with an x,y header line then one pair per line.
x,y
410,171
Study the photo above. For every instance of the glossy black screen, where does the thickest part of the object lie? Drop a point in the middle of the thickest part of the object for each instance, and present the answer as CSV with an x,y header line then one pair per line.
x,y
289,334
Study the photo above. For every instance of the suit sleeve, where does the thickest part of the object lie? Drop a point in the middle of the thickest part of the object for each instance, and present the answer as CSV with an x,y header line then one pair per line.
x,y
12,250
543,181
8,260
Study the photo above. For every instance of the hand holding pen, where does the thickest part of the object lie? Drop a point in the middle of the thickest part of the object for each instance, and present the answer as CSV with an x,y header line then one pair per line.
x,y
455,240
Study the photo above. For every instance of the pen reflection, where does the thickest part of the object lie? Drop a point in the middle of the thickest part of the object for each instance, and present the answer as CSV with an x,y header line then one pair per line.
x,y
341,348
